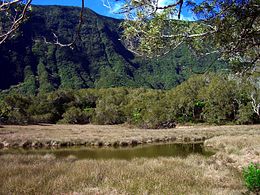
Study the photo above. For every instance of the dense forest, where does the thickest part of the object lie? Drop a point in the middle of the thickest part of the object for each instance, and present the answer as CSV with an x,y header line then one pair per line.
x,y
211,98
99,60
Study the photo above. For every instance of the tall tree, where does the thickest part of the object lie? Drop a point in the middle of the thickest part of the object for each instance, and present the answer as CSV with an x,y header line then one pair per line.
x,y
230,27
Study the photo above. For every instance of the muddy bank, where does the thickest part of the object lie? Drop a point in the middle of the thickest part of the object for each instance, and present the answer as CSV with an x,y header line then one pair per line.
x,y
48,136
27,144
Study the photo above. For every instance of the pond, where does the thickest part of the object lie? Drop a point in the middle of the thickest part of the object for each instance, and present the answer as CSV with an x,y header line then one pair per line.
x,y
148,151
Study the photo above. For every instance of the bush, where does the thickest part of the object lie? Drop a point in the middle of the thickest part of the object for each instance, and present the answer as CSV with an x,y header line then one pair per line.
x,y
14,109
108,114
245,115
184,100
42,118
221,106
75,116
251,176
109,107
149,110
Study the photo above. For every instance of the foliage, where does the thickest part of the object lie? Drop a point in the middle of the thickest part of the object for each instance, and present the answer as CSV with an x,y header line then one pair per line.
x,y
147,109
110,105
4,111
209,98
251,176
245,115
45,85
74,116
29,85
220,100
187,104
228,28
15,109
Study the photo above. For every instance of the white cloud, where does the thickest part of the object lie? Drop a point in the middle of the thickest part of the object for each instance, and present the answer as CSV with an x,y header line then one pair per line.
x,y
112,6
162,3
116,7
188,16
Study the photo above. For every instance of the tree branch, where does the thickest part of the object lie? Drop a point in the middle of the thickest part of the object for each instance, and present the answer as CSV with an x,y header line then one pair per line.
x,y
76,37
17,22
256,106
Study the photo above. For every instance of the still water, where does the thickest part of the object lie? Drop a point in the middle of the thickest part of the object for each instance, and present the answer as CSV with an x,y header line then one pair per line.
x,y
148,151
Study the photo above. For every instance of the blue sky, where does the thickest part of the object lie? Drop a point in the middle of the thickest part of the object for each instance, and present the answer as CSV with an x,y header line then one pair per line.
x,y
97,6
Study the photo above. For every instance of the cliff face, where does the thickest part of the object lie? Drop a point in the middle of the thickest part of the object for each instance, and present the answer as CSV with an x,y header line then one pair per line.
x,y
98,60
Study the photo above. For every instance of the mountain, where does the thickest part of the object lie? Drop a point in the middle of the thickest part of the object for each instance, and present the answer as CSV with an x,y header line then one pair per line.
x,y
99,59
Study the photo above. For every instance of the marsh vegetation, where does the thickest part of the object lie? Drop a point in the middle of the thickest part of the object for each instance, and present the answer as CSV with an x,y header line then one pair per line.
x,y
27,174
221,173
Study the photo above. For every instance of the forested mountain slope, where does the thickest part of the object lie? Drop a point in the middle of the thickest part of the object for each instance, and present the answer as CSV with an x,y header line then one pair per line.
x,y
98,60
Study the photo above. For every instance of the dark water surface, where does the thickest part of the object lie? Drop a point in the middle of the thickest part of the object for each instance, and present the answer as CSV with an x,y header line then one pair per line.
x,y
148,151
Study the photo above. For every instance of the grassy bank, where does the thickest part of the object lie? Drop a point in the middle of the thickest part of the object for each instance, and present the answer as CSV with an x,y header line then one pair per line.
x,y
47,175
235,151
114,134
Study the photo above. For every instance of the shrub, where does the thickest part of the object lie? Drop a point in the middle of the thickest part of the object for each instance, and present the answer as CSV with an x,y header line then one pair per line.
x,y
220,100
4,112
42,118
184,100
109,107
87,98
251,176
148,109
108,114
136,115
14,109
74,116
245,115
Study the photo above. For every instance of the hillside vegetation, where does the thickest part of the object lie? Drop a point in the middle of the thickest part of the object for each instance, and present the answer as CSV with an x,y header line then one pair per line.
x,y
203,98
99,59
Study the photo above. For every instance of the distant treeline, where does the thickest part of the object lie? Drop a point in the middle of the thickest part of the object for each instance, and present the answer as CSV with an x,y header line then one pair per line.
x,y
210,99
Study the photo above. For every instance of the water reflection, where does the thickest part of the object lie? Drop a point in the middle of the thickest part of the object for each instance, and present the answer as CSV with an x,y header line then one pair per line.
x,y
148,151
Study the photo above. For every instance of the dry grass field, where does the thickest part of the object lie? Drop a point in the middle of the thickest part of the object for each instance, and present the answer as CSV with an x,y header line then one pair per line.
x,y
117,133
235,147
47,175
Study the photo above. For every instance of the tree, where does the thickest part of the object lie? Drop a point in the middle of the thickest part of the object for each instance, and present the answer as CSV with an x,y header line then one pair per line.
x,y
29,85
45,85
231,28
255,94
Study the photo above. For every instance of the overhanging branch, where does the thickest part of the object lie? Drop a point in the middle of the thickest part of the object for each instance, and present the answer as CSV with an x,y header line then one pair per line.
x,y
19,18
